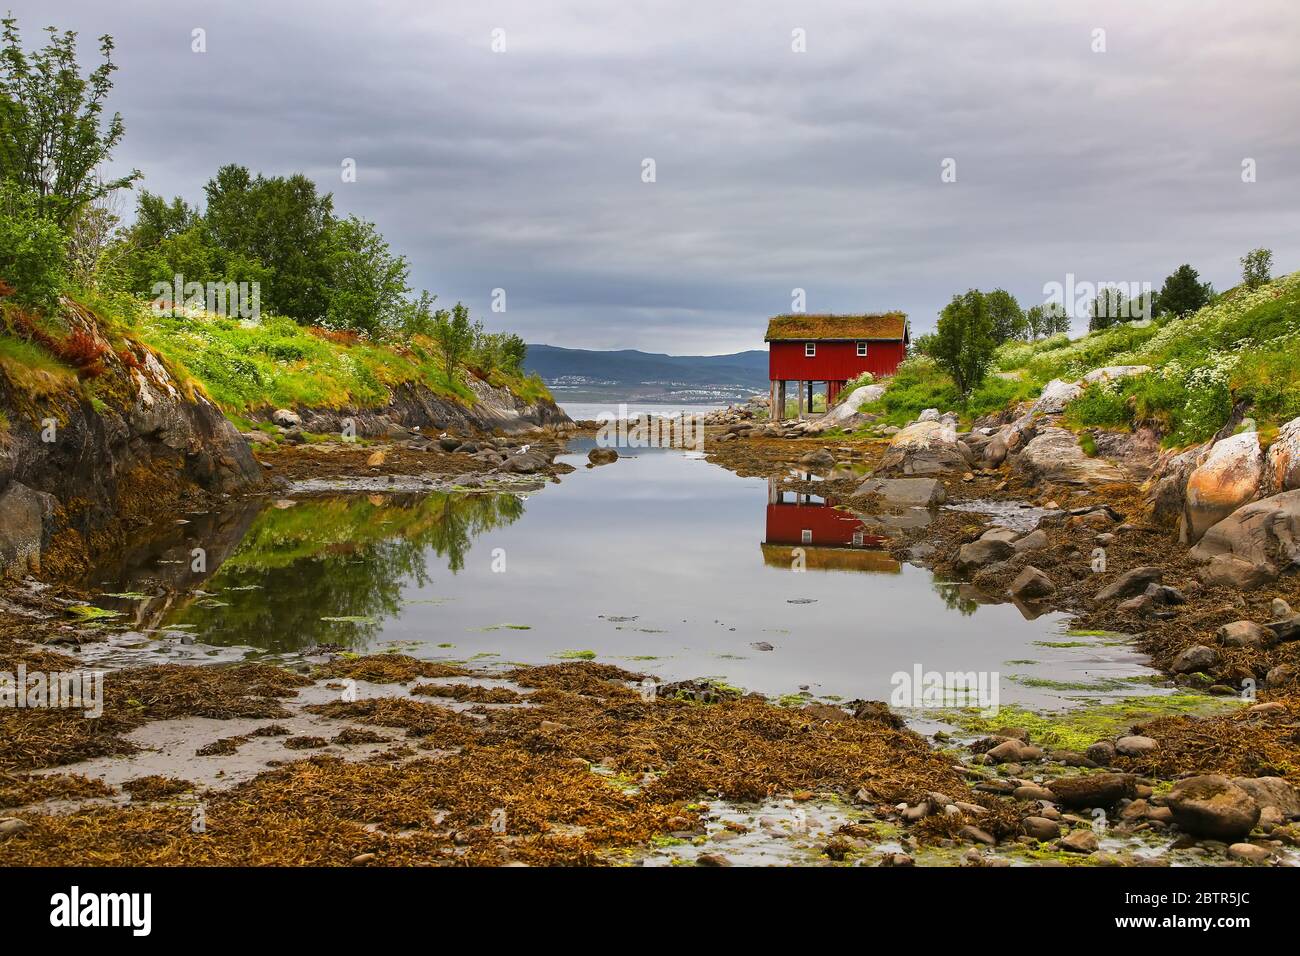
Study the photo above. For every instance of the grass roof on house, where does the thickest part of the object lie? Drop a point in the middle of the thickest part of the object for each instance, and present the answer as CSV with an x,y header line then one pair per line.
x,y
891,326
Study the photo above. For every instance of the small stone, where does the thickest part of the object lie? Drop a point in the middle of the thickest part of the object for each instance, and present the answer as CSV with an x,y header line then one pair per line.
x,y
1101,753
1198,657
1079,841
1249,852
1135,745
1041,828
976,835
712,859
11,825
1243,634
361,859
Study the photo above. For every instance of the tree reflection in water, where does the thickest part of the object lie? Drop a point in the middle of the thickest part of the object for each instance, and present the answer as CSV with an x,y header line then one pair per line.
x,y
343,558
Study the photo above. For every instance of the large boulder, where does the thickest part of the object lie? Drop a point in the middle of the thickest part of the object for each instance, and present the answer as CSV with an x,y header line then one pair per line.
x,y
1131,583
1212,806
855,400
1229,477
1166,485
1271,792
1253,544
1055,457
1282,472
286,418
906,492
925,448
1055,395
25,516
1094,789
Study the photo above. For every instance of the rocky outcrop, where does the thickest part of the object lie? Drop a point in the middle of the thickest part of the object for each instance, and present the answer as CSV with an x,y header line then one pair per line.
x,y
118,438
1055,457
925,448
1055,395
1252,545
850,406
1282,471
413,405
1166,486
1228,478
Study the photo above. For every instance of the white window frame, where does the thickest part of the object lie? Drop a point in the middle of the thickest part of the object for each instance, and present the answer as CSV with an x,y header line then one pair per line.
x,y
805,536
862,350
809,349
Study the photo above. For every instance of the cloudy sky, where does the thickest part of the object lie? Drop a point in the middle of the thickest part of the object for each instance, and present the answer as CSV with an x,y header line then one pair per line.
x,y
522,169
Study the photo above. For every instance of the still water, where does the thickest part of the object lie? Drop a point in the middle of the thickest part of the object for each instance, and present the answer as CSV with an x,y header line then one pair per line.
x,y
661,562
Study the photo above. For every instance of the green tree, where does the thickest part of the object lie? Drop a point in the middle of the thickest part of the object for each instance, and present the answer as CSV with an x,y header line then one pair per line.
x,y
367,283
965,340
52,131
513,353
1110,307
32,248
1257,267
1008,318
1183,292
283,223
455,337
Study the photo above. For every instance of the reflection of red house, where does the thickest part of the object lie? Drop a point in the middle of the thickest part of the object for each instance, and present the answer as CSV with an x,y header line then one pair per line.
x,y
830,538
806,349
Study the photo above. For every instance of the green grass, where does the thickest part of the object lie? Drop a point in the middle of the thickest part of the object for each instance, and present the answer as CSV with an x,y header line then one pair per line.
x,y
1240,347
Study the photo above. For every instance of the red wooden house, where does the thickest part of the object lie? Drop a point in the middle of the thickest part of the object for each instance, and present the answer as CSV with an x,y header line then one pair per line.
x,y
806,349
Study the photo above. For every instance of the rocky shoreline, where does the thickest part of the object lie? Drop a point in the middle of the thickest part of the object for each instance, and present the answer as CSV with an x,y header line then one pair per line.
x,y
1175,788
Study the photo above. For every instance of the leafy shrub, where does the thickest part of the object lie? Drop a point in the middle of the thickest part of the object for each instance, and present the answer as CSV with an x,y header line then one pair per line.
x,y
32,249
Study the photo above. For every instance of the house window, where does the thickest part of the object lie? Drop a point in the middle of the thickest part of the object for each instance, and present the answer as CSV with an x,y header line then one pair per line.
x,y
809,349
858,539
862,350
806,536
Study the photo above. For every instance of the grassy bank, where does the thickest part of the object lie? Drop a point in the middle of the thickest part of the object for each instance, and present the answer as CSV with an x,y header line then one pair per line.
x,y
1239,349
246,366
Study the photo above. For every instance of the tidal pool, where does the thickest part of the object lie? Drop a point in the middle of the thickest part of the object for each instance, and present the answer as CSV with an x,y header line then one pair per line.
x,y
661,562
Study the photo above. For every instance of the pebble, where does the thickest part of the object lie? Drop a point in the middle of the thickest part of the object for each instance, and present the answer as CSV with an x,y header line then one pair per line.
x,y
1079,841
1248,852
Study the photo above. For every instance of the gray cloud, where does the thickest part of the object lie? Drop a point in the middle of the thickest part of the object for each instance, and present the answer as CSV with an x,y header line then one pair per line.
x,y
819,170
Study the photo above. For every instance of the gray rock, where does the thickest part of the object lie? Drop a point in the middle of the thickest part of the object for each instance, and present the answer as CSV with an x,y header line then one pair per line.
x,y
978,554
286,418
1263,536
1055,395
1032,584
1130,584
1243,634
1196,658
1271,792
1034,541
1055,457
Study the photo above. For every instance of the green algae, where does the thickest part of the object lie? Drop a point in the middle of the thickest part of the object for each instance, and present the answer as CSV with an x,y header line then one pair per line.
x,y
1079,727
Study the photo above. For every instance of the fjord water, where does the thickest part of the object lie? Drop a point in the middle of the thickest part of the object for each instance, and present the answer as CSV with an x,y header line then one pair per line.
x,y
661,562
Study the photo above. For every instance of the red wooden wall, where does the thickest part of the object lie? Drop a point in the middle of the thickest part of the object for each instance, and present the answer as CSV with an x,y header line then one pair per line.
x,y
829,525
834,361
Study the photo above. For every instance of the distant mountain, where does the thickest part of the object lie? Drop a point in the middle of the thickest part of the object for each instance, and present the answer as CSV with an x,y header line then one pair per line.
x,y
629,375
